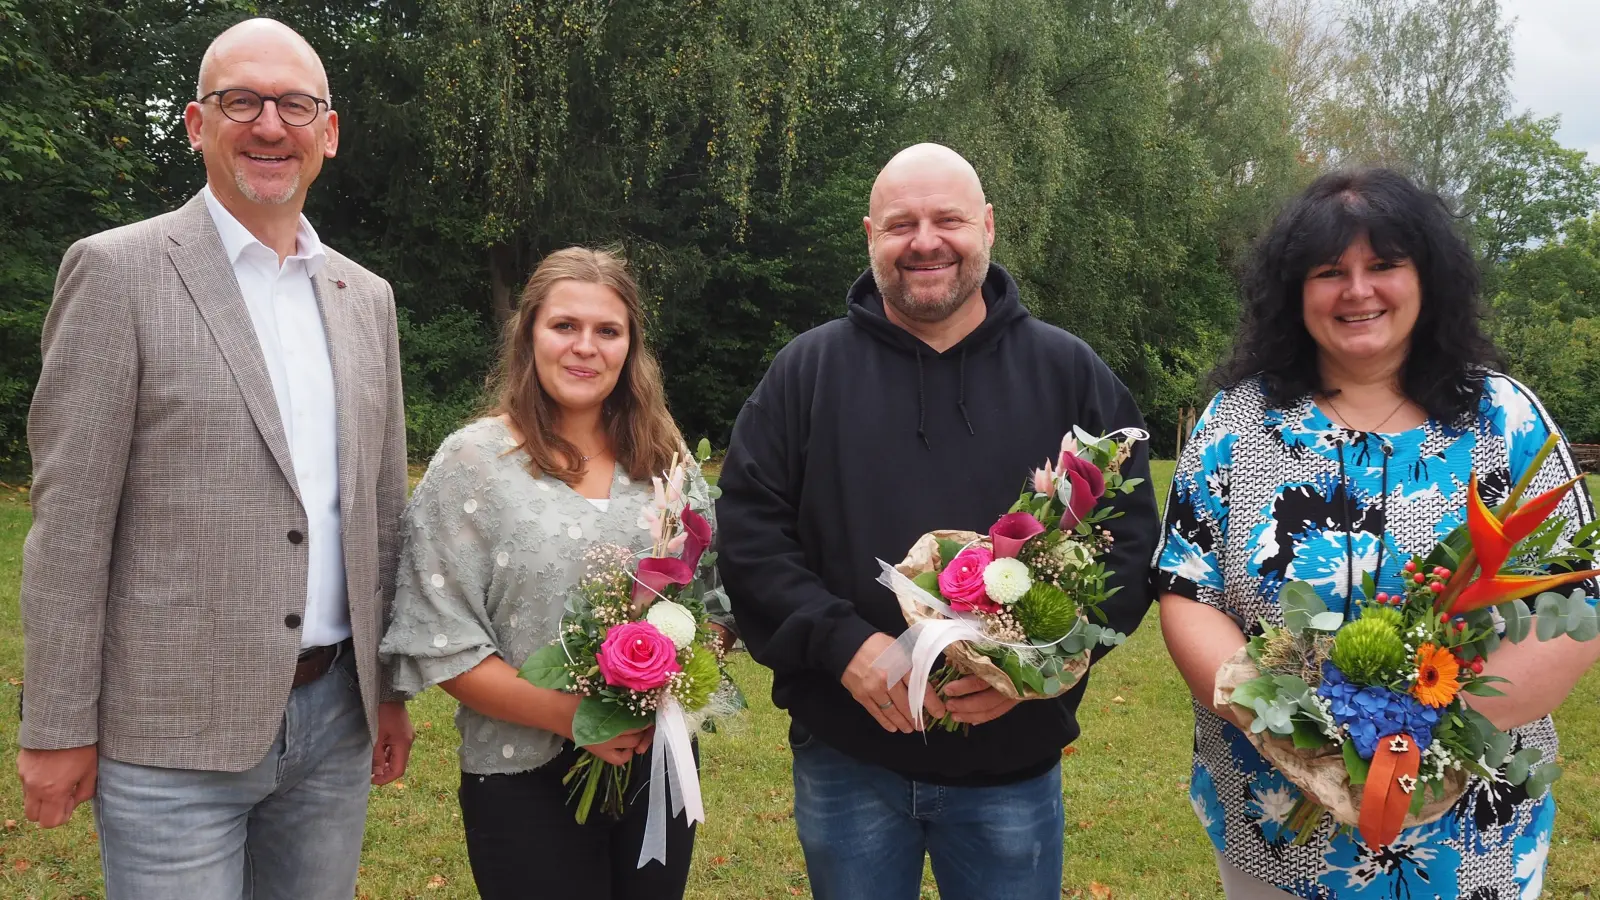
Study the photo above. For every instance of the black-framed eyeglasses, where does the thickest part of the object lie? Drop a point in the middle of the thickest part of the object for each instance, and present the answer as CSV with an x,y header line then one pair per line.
x,y
244,105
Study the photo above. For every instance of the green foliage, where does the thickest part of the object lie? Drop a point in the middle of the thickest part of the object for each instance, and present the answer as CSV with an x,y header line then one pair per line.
x,y
1368,650
1528,187
598,721
547,668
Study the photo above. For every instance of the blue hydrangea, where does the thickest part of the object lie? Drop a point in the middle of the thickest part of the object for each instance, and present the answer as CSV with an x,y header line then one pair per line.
x,y
1375,712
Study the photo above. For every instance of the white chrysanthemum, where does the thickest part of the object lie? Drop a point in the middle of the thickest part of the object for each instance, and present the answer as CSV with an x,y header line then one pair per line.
x,y
1071,555
672,620
1006,580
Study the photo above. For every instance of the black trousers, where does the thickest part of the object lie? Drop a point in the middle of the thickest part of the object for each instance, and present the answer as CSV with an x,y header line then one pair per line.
x,y
523,843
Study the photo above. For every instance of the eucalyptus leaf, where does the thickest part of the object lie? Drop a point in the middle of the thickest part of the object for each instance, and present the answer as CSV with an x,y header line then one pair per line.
x,y
1052,686
1327,621
1522,763
1541,779
1300,605
1550,621
1496,744
1518,619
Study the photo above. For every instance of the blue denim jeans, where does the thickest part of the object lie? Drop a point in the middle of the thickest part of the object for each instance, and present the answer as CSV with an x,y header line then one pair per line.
x,y
865,829
288,829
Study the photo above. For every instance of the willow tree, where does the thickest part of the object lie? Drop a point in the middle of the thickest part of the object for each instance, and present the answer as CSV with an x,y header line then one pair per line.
x,y
565,119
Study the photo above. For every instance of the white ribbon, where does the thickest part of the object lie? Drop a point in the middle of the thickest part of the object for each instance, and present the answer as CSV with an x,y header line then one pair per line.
x,y
671,765
921,646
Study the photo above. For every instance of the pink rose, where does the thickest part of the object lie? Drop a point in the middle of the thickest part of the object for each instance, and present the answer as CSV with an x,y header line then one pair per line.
x,y
637,656
961,582
1011,532
1082,488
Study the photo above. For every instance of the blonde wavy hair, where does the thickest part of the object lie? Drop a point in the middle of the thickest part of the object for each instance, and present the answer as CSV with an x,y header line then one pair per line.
x,y
643,435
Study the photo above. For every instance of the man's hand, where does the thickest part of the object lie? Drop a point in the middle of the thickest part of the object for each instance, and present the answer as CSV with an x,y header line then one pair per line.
x,y
393,748
54,782
972,701
888,703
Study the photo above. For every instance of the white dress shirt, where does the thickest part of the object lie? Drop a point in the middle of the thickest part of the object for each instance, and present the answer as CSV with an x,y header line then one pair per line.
x,y
283,308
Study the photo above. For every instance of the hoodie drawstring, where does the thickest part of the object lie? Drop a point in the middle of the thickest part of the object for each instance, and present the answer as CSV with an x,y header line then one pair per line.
x,y
961,401
922,406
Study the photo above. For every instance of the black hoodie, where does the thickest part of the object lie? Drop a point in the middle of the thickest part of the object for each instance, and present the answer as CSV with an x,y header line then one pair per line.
x,y
858,440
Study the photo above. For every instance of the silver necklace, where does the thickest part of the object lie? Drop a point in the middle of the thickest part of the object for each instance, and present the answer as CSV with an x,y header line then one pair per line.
x,y
1345,420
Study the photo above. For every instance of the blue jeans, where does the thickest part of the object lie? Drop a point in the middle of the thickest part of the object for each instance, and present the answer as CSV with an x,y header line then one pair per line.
x,y
288,829
864,830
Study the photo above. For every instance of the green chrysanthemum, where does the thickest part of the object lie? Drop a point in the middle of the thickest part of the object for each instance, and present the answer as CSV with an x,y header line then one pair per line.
x,y
1045,612
1387,614
700,678
1368,650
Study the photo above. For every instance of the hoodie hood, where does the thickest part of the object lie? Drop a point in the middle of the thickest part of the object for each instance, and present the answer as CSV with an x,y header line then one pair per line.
x,y
1003,309
1000,297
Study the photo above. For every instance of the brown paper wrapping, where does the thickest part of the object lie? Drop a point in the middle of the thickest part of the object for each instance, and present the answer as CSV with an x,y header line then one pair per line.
x,y
924,557
1320,774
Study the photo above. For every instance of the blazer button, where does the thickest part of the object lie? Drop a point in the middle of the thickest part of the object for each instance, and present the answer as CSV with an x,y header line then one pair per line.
x,y
292,620
295,536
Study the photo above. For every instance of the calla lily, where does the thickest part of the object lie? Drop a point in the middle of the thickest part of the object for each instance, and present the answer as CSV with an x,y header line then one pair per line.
x,y
1079,490
653,576
698,531
1011,532
1492,541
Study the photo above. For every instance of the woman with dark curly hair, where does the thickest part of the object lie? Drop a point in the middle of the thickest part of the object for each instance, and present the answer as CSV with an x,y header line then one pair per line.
x,y
1359,397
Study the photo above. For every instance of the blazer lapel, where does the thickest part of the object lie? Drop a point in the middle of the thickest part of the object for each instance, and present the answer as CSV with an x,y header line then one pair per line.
x,y
202,263
334,302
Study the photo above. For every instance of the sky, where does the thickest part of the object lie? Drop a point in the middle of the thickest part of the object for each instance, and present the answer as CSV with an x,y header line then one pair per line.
x,y
1556,53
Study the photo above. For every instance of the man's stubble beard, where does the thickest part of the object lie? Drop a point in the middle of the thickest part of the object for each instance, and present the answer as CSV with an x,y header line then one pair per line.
x,y
969,277
254,196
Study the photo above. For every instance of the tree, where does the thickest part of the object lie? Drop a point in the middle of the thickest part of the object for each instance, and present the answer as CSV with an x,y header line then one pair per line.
x,y
1527,187
1312,58
1428,81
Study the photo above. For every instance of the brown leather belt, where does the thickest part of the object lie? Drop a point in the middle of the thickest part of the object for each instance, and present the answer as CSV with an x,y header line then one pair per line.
x,y
315,662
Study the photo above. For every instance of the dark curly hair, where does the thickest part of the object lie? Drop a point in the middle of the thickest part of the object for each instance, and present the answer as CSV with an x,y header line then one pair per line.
x,y
1449,354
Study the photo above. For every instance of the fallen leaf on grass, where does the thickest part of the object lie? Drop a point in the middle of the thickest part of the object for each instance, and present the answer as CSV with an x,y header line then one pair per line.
x,y
1099,891
22,865
1085,824
1068,751
719,860
435,882
11,824
1118,699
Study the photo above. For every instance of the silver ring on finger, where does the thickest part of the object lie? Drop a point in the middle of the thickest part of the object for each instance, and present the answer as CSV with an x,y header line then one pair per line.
x,y
886,704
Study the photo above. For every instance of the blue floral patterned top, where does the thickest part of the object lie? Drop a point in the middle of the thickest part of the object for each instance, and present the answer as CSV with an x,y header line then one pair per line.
x,y
1263,496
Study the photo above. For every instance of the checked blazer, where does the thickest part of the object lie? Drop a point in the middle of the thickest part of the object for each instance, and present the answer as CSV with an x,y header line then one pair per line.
x,y
164,576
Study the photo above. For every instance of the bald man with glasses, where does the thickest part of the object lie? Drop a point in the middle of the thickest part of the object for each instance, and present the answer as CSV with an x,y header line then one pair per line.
x,y
218,441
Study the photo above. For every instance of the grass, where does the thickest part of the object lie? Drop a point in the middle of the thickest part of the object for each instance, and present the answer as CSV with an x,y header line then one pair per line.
x,y
1130,831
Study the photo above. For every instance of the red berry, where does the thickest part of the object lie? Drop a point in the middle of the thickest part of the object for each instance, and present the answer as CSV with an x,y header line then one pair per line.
x,y
1461,625
1477,667
1382,597
1411,567
1444,617
1441,571
1418,578
1437,587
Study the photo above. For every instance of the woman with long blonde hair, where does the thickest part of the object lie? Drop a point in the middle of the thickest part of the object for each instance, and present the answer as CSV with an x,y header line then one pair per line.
x,y
494,540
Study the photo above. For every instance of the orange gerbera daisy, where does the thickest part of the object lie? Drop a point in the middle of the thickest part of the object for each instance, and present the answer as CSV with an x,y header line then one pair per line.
x,y
1437,669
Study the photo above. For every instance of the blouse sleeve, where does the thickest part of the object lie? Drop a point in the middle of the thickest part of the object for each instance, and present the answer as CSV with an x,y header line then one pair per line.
x,y
1527,426
1189,560
441,626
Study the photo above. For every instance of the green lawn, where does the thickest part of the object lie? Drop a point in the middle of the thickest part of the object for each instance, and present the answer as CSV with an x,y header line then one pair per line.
x,y
1130,832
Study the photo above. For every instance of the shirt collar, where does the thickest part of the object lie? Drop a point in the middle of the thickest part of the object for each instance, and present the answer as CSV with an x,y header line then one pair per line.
x,y
236,238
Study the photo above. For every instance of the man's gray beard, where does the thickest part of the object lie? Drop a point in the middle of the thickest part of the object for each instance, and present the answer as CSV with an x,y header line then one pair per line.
x,y
249,192
969,276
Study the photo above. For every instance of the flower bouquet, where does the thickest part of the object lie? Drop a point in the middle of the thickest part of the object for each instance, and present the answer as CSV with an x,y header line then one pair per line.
x,y
1014,607
636,645
1366,716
